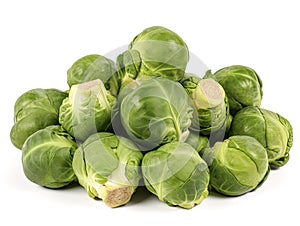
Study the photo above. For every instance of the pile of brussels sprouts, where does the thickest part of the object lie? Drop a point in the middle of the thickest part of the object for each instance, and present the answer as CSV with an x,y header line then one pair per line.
x,y
144,120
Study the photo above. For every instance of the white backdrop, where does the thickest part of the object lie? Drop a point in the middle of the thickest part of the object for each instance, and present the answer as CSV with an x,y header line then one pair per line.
x,y
40,40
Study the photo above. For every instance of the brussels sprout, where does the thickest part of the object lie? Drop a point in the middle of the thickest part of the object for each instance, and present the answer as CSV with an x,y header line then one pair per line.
x,y
92,67
128,66
237,165
47,157
163,53
87,109
35,110
209,98
272,130
176,174
107,166
242,86
198,142
157,111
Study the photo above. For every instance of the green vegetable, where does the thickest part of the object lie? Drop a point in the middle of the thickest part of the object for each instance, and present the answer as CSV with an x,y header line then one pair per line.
x,y
35,110
92,67
47,157
237,165
198,134
242,85
107,166
128,66
272,130
87,110
176,174
198,142
161,51
209,98
153,114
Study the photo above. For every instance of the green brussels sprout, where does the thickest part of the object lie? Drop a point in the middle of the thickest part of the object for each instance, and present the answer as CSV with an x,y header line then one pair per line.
x,y
242,85
209,99
272,130
35,110
237,165
92,67
108,167
87,110
47,157
157,111
128,66
162,52
198,142
176,174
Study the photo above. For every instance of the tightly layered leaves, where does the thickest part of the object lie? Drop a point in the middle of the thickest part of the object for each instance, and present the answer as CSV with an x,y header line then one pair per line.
x,y
209,100
151,104
161,52
107,166
87,110
128,66
237,165
153,114
92,67
47,157
242,85
35,110
176,174
272,130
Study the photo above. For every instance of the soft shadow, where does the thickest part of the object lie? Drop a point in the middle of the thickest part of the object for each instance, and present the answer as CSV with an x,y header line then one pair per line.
x,y
215,194
73,185
140,195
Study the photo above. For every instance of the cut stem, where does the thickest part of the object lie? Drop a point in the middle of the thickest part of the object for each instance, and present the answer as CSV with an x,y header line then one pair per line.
x,y
115,195
208,94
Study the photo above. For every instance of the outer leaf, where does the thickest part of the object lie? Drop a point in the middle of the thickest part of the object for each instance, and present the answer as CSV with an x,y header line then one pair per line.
x,y
242,86
107,166
272,130
92,67
163,53
237,165
47,157
35,110
157,111
176,174
210,102
87,110
128,66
